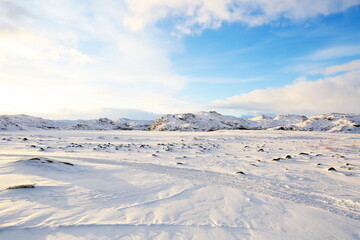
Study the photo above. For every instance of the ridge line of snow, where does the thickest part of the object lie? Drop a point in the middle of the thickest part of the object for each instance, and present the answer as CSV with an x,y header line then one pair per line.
x,y
201,121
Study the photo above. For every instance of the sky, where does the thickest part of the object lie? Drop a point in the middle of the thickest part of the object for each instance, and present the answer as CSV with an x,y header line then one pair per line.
x,y
71,59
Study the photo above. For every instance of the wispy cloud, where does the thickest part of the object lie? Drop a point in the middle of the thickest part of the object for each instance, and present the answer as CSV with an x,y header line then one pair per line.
x,y
350,66
192,16
334,52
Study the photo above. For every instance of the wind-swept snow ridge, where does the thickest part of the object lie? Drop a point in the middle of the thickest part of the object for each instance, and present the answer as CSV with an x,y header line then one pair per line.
x,y
273,188
339,206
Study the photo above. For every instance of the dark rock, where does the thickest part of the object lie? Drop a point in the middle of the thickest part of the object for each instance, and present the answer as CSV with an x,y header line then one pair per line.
x,y
25,139
288,157
22,186
303,154
67,163
179,163
276,159
240,172
261,150
332,169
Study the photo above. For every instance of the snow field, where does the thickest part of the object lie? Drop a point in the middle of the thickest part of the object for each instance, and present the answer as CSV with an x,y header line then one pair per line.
x,y
179,185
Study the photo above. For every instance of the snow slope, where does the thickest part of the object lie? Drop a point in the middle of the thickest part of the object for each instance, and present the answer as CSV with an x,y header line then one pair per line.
x,y
179,185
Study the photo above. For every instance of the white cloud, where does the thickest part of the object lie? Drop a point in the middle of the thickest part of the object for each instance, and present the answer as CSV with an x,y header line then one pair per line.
x,y
63,54
350,66
191,16
335,94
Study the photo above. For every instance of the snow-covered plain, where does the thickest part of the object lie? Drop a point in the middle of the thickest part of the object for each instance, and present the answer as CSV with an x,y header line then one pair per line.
x,y
179,185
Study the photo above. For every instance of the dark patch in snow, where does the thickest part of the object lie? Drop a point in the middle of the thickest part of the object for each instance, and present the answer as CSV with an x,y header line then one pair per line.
x,y
22,186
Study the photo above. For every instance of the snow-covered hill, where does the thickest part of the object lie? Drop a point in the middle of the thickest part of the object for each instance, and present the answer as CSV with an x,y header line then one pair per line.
x,y
334,122
25,122
202,121
210,121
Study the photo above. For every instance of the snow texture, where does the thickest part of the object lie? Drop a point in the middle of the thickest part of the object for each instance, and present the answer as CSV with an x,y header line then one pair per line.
x,y
179,185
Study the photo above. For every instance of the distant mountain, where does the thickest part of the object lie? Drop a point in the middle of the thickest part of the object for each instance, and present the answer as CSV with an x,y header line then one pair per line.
x,y
334,122
202,121
211,121
25,122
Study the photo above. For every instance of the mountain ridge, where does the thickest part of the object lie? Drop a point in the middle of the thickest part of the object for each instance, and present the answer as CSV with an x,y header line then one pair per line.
x,y
201,121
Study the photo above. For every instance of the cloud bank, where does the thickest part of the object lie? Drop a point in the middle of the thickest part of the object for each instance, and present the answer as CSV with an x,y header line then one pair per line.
x,y
65,54
330,94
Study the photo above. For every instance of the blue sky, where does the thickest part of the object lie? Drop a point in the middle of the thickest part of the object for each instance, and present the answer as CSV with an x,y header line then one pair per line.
x,y
265,56
141,58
